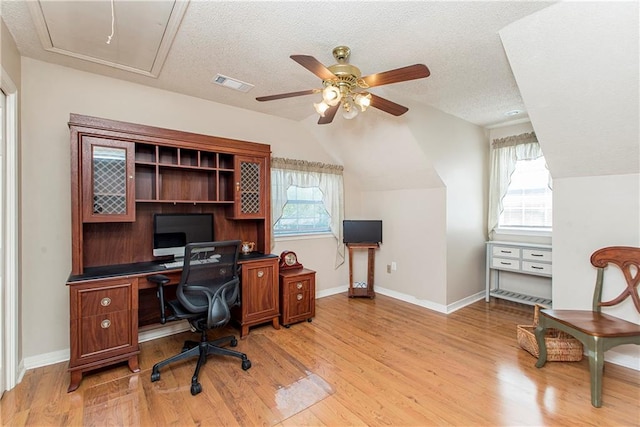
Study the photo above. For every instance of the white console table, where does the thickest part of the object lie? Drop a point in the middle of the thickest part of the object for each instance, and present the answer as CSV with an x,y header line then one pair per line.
x,y
523,258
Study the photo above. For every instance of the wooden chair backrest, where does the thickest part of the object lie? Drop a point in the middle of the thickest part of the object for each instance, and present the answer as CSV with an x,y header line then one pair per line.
x,y
628,260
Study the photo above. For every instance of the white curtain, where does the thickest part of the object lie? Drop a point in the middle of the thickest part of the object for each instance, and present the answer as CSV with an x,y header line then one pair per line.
x,y
505,152
301,173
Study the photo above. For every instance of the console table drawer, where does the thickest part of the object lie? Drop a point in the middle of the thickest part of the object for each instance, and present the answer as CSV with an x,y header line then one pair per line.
x,y
536,268
505,264
536,255
506,252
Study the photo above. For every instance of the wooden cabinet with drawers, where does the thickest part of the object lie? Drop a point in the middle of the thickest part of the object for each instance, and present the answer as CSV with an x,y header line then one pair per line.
x,y
523,258
258,295
103,325
297,296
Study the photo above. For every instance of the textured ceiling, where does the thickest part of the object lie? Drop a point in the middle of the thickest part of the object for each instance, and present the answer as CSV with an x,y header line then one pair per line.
x,y
251,41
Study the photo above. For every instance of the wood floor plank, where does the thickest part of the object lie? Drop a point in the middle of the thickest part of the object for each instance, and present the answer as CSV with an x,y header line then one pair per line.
x,y
359,362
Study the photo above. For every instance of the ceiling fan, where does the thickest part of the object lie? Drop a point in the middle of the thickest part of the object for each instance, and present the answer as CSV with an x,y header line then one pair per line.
x,y
343,86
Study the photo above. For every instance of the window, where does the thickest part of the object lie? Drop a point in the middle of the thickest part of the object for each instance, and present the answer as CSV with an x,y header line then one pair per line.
x,y
519,186
307,198
527,203
304,213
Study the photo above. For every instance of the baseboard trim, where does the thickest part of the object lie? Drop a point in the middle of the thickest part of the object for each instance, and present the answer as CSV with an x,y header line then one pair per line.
x,y
163,331
63,355
440,308
46,359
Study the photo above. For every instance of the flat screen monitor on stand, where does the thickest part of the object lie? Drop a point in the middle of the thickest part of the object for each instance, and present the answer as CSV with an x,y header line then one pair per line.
x,y
172,232
362,234
363,231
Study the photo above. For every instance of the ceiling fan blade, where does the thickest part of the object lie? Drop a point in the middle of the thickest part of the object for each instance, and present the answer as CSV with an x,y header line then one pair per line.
x,y
411,72
287,95
387,106
329,115
313,65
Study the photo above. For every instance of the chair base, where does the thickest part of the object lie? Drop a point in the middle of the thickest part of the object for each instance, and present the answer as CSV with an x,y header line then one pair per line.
x,y
202,349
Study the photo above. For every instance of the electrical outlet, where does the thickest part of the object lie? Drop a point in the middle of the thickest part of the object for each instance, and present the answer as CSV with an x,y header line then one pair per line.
x,y
388,268
394,266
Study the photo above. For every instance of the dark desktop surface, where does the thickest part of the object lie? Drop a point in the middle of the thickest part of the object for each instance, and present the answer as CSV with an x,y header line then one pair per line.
x,y
145,267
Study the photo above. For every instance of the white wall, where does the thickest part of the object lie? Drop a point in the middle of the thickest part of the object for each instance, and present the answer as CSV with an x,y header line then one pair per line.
x,y
460,155
414,228
576,64
590,213
395,161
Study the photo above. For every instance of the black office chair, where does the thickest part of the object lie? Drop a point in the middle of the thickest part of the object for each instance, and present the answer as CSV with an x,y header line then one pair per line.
x,y
209,286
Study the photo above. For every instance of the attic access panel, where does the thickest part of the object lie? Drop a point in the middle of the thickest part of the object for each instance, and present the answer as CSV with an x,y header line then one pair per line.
x,y
143,31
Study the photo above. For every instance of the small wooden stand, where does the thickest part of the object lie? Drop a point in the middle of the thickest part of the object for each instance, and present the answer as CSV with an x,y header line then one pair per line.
x,y
368,291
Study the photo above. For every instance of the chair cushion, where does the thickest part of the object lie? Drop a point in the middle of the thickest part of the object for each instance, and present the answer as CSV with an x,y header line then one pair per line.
x,y
180,312
593,323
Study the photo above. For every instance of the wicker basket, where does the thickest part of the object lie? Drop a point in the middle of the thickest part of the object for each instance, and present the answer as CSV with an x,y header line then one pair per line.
x,y
561,347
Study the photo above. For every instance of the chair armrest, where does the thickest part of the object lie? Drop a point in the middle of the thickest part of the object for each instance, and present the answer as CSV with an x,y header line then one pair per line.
x,y
160,280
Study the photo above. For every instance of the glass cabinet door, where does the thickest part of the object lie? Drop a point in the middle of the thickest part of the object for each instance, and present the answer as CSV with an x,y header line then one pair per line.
x,y
250,177
107,180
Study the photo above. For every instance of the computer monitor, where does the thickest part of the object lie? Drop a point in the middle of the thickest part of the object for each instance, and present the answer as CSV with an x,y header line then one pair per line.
x,y
172,232
362,231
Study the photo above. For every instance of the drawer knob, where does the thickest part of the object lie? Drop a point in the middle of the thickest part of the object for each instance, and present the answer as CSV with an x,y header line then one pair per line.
x,y
105,302
299,297
105,324
299,285
260,273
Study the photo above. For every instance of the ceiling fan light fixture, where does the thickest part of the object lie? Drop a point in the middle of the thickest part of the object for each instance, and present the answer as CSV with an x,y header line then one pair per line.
x,y
321,107
343,86
331,95
363,100
349,110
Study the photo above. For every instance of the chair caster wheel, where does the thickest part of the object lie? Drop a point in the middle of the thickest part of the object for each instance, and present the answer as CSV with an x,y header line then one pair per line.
x,y
246,364
155,376
196,388
309,320
234,342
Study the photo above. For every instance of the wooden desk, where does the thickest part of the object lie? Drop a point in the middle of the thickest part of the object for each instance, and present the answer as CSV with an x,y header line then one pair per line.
x,y
109,304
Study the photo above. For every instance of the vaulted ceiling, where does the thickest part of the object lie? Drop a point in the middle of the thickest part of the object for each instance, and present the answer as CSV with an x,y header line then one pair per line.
x,y
181,46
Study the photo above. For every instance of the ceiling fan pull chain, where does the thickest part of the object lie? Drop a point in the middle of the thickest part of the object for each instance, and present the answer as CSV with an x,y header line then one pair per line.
x,y
113,20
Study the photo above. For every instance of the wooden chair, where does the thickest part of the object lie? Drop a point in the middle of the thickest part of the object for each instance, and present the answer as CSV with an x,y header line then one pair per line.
x,y
597,331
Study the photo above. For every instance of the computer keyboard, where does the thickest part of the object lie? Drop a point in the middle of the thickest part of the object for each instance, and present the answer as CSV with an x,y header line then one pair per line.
x,y
180,262
173,264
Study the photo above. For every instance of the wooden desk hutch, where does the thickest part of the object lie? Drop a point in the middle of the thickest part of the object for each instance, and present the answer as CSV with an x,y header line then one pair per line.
x,y
121,175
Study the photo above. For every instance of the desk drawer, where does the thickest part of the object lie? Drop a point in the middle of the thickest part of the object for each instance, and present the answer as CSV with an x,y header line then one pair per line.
x,y
105,333
506,252
505,264
536,268
536,255
102,301
298,286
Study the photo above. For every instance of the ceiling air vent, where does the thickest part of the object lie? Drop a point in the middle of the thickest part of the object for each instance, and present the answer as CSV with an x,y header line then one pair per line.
x,y
225,81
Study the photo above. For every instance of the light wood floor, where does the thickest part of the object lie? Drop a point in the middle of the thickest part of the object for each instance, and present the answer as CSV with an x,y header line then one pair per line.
x,y
360,362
